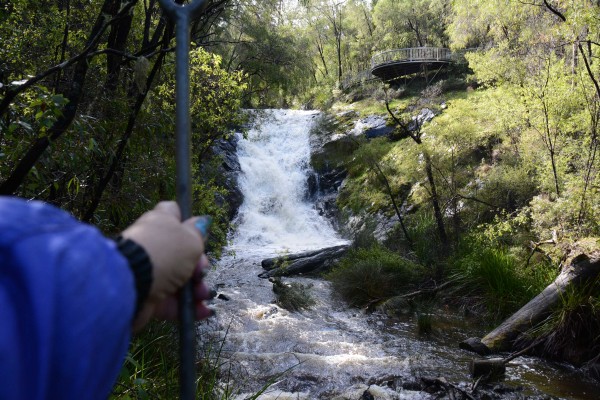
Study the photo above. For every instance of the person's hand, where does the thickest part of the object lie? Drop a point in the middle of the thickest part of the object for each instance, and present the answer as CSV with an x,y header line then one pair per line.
x,y
176,251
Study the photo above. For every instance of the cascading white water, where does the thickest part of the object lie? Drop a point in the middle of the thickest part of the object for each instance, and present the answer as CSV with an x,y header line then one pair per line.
x,y
329,351
275,215
318,352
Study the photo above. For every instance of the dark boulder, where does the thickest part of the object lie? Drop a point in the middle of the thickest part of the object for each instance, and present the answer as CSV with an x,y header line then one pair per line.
x,y
228,169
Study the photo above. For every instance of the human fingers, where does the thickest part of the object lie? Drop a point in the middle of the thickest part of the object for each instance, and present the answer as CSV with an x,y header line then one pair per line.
x,y
201,269
201,291
167,309
202,311
199,226
169,208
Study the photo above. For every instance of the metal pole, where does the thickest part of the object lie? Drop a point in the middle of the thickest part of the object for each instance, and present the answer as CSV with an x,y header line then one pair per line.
x,y
182,15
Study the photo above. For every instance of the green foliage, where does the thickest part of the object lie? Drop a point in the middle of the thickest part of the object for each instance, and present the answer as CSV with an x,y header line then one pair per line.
x,y
375,273
408,23
426,243
150,369
571,331
292,296
424,322
365,189
501,280
549,139
216,97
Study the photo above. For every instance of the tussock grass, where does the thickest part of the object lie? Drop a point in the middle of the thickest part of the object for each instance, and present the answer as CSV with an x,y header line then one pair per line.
x,y
572,331
151,368
292,296
498,279
374,273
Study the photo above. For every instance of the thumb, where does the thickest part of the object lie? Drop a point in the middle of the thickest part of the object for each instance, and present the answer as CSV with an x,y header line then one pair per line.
x,y
200,226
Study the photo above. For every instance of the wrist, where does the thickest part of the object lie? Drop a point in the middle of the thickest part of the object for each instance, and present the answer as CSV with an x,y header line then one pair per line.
x,y
141,268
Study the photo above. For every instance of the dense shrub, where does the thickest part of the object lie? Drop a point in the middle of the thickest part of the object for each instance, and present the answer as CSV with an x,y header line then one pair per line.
x,y
364,275
292,296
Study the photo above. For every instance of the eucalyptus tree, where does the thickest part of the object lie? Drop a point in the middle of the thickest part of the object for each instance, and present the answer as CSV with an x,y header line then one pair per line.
x,y
543,51
410,23
327,17
360,37
261,38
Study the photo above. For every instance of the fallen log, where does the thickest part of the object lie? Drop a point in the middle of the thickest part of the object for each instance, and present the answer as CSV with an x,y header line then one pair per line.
x,y
580,270
302,263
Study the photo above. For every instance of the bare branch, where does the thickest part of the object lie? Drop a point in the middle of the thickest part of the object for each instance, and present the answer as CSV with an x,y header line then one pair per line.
x,y
555,11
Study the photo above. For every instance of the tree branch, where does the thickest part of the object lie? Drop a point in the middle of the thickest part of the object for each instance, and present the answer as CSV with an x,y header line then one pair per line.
x,y
92,43
555,11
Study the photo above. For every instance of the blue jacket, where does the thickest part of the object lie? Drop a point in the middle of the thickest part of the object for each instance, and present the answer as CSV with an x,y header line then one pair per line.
x,y
67,298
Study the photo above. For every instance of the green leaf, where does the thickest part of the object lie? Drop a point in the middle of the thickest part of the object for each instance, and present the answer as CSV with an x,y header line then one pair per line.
x,y
25,125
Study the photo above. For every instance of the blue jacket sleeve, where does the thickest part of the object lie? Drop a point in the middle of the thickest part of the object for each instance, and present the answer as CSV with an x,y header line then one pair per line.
x,y
66,303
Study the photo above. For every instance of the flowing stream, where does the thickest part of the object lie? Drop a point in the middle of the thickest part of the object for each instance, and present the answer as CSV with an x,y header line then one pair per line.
x,y
328,351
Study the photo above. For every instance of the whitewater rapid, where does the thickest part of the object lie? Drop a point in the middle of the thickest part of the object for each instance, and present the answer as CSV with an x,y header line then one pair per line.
x,y
318,353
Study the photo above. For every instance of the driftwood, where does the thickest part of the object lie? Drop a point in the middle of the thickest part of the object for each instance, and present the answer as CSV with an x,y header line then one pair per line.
x,y
580,270
302,263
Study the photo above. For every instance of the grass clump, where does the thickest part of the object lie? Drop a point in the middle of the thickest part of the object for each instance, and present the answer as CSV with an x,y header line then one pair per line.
x,y
572,331
292,296
497,278
151,367
373,273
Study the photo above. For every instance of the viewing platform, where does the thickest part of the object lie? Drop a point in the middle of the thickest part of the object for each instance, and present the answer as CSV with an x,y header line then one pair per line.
x,y
392,64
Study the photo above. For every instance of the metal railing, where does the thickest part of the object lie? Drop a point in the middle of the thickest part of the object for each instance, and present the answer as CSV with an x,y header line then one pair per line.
x,y
417,54
412,54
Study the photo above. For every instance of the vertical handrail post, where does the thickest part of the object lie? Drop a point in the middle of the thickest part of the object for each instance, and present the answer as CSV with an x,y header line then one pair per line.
x,y
182,15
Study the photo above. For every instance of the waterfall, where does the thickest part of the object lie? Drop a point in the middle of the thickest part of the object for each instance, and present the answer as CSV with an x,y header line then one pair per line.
x,y
329,351
314,353
275,162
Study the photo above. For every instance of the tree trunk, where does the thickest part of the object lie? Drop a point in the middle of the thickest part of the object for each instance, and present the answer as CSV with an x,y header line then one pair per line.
x,y
393,200
581,270
435,201
116,160
303,263
117,40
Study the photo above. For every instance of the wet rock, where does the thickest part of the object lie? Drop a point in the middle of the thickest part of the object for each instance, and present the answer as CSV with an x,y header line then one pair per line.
x,y
397,306
372,126
303,263
363,392
592,370
224,297
326,182
227,172
475,345
329,150
412,385
425,115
